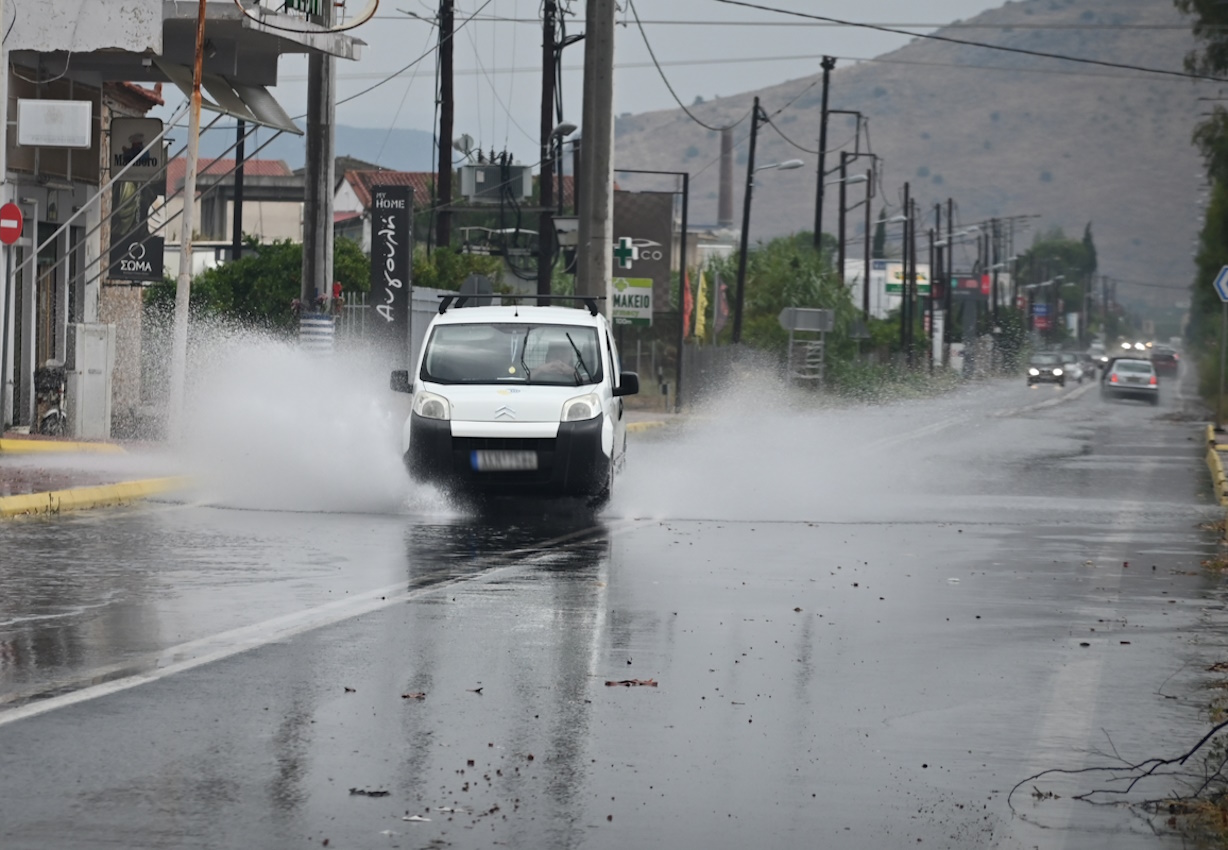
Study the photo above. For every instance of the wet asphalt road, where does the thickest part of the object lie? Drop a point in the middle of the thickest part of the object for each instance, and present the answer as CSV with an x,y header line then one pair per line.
x,y
865,627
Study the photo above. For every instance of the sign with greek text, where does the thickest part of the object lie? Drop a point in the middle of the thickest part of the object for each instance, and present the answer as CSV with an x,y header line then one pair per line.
x,y
632,301
391,220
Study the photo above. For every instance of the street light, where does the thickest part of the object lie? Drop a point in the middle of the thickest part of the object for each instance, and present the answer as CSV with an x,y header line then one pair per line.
x,y
854,178
757,115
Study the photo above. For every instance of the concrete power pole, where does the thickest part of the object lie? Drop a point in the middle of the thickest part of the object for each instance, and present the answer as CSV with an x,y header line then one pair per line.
x,y
596,210
828,63
183,286
318,188
545,229
443,217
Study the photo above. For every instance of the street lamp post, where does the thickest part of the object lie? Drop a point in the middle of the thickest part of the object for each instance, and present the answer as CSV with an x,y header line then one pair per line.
x,y
740,293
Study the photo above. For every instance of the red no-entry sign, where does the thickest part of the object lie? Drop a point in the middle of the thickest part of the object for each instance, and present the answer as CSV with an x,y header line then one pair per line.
x,y
10,223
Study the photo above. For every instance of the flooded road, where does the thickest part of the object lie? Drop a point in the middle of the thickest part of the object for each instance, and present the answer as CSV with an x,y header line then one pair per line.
x,y
854,628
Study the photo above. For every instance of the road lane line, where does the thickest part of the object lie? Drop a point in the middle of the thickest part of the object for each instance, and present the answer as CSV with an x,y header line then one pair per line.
x,y
202,651
1065,726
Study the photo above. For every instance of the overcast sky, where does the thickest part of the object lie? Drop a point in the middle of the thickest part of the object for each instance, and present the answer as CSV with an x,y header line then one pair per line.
x,y
708,48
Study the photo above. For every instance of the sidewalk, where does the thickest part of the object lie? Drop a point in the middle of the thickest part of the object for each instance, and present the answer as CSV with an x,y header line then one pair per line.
x,y
44,475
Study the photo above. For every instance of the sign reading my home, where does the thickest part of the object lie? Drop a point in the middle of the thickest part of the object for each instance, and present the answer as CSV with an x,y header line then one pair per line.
x,y
643,240
391,220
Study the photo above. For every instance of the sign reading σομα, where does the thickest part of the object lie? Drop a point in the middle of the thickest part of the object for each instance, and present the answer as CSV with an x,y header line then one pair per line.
x,y
632,303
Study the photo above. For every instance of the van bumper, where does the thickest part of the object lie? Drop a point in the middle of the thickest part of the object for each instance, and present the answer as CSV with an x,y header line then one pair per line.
x,y
570,464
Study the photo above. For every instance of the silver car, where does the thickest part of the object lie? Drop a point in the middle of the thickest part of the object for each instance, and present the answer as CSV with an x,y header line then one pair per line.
x,y
1128,377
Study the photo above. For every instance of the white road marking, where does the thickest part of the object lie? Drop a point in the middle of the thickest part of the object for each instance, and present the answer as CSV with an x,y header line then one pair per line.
x,y
197,653
1063,733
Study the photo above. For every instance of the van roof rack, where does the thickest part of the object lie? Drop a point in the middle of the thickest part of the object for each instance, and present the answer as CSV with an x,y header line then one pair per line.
x,y
589,301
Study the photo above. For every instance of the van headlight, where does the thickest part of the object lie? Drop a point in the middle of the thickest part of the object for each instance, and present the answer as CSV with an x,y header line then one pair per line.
x,y
581,407
1057,371
431,406
1033,371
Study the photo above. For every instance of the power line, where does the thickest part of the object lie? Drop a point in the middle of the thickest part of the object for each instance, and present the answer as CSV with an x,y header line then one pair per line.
x,y
665,79
805,57
966,43
904,25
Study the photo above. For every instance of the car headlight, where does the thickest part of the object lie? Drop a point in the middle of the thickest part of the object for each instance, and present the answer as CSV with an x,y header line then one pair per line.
x,y
581,407
1033,371
431,406
1057,371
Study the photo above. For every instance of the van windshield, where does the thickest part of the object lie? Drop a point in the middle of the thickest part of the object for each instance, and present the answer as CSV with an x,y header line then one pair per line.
x,y
503,352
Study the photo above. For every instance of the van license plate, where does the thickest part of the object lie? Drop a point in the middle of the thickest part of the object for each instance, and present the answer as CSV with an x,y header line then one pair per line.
x,y
503,461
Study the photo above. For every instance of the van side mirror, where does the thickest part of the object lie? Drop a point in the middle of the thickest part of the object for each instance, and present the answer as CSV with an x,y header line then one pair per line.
x,y
628,384
399,382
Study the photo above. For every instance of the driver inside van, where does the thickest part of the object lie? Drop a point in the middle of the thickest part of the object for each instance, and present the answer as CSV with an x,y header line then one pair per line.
x,y
559,363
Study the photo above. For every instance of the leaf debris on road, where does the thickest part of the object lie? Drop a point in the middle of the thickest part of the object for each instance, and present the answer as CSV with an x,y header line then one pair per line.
x,y
632,683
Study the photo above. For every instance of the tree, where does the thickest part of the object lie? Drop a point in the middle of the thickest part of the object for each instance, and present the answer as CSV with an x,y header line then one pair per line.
x,y
260,288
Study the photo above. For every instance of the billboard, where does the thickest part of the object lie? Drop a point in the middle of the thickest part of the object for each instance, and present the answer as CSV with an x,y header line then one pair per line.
x,y
643,240
391,233
136,253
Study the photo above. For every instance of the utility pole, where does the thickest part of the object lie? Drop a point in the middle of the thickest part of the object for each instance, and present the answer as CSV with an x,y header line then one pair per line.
x,y
844,159
183,284
443,177
597,176
318,191
545,229
740,294
236,232
865,288
827,64
904,283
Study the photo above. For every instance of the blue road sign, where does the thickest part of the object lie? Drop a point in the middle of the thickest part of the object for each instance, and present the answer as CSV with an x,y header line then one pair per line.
x,y
1221,284
1040,309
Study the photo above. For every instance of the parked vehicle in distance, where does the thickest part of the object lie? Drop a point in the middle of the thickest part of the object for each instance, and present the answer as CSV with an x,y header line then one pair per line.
x,y
1130,377
522,401
1046,368
1166,360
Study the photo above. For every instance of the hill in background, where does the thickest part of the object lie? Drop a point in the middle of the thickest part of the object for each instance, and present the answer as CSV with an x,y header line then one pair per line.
x,y
1003,134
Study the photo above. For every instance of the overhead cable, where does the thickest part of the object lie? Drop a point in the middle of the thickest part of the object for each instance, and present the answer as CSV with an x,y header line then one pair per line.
x,y
966,43
665,79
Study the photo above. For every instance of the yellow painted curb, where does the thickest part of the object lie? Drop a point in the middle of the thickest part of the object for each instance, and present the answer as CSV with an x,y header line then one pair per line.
x,y
21,447
1218,480
644,426
81,498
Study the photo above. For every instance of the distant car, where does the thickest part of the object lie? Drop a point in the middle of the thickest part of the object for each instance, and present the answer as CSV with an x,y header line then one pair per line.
x,y
1046,368
1129,377
1165,360
1072,365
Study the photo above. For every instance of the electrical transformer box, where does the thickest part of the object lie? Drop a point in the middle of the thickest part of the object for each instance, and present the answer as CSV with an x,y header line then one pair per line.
x,y
494,183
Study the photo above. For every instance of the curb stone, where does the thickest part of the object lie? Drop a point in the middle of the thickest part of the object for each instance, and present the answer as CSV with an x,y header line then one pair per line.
x,y
83,498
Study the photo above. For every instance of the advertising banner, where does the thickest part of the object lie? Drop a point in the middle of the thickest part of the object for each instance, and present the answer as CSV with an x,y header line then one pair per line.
x,y
391,232
129,136
135,254
643,240
633,297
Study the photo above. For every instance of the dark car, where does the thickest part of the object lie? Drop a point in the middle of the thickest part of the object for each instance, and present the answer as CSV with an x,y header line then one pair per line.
x,y
1047,368
1165,360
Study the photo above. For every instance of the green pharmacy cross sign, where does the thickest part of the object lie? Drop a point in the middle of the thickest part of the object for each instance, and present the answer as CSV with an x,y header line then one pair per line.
x,y
625,253
632,301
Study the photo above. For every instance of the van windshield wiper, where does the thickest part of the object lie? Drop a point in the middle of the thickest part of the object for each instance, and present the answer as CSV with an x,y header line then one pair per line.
x,y
580,360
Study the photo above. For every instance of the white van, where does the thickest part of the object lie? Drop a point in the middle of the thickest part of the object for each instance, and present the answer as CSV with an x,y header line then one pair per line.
x,y
517,400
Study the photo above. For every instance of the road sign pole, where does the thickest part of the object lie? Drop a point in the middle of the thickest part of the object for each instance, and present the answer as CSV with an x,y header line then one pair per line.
x,y
1223,350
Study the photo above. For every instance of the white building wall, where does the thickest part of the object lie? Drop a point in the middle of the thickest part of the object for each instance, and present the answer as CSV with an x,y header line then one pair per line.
x,y
82,26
